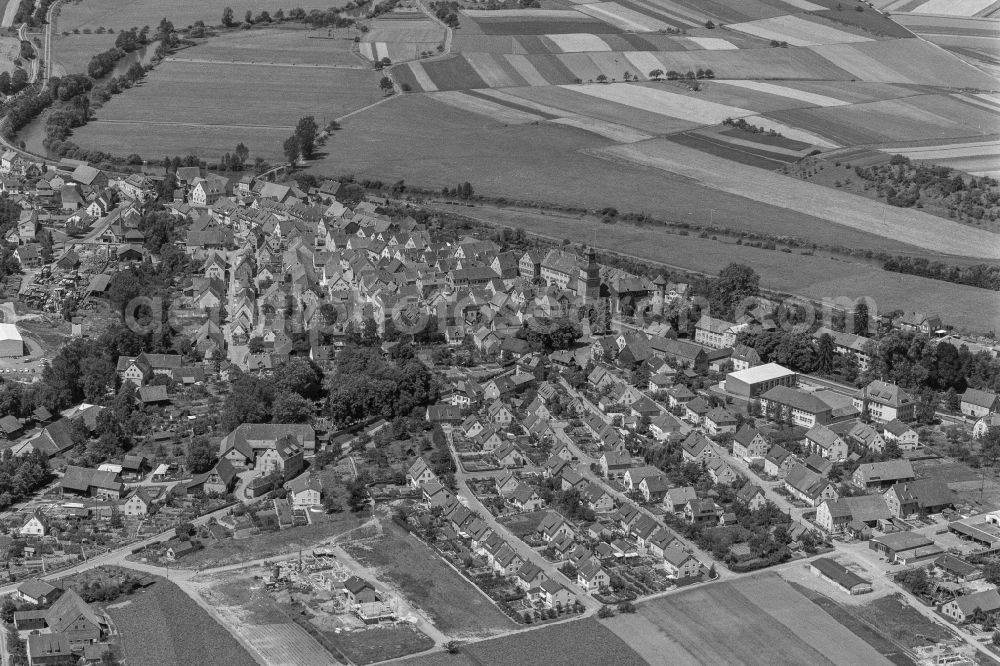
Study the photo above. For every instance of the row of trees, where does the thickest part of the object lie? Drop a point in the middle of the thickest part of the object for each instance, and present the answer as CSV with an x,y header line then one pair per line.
x,y
302,142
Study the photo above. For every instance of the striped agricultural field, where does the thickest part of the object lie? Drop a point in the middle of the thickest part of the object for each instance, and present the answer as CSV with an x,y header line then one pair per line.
x,y
663,102
574,103
492,71
953,7
784,91
498,112
644,61
366,50
623,17
581,66
797,31
420,74
614,131
860,65
578,43
804,5
712,43
567,14
949,150
523,66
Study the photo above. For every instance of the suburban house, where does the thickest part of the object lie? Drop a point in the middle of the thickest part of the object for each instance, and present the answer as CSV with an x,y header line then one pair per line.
x,y
836,515
905,437
825,442
749,444
680,564
963,608
808,486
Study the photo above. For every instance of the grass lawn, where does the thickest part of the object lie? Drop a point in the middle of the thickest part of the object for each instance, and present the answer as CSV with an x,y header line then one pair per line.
x,y
72,53
456,606
368,646
898,621
162,626
231,551
567,644
523,523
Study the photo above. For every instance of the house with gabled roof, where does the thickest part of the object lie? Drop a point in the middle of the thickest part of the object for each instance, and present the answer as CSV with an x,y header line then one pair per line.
x,y
71,616
881,475
419,473
809,486
825,441
697,448
553,525
919,497
978,403
592,577
778,461
680,564
614,464
750,444
525,498
905,437
677,498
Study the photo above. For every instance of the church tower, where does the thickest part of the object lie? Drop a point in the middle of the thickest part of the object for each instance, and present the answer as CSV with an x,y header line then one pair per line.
x,y
592,277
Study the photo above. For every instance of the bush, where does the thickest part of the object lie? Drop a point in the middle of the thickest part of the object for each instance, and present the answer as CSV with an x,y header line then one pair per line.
x,y
605,612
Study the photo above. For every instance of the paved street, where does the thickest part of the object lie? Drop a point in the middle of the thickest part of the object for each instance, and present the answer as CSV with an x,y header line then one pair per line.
x,y
469,499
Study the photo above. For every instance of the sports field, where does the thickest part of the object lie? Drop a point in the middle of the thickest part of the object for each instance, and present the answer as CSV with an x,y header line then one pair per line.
x,y
758,620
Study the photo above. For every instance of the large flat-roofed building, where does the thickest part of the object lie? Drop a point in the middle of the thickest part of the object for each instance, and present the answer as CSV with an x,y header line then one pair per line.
x,y
11,342
753,381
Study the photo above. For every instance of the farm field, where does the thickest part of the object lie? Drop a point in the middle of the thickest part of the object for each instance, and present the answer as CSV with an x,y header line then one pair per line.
x,y
72,53
565,644
457,608
815,277
210,141
306,47
912,226
206,109
221,94
124,15
162,626
758,620
542,163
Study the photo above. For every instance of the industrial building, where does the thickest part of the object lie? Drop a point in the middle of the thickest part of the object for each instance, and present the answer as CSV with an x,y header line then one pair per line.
x,y
753,381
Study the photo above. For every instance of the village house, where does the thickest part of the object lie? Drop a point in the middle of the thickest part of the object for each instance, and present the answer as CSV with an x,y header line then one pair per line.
x,y
808,486
749,444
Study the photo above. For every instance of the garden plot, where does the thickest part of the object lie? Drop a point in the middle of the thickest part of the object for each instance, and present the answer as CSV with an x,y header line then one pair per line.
x,y
578,43
784,91
498,112
906,225
712,43
623,17
797,31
